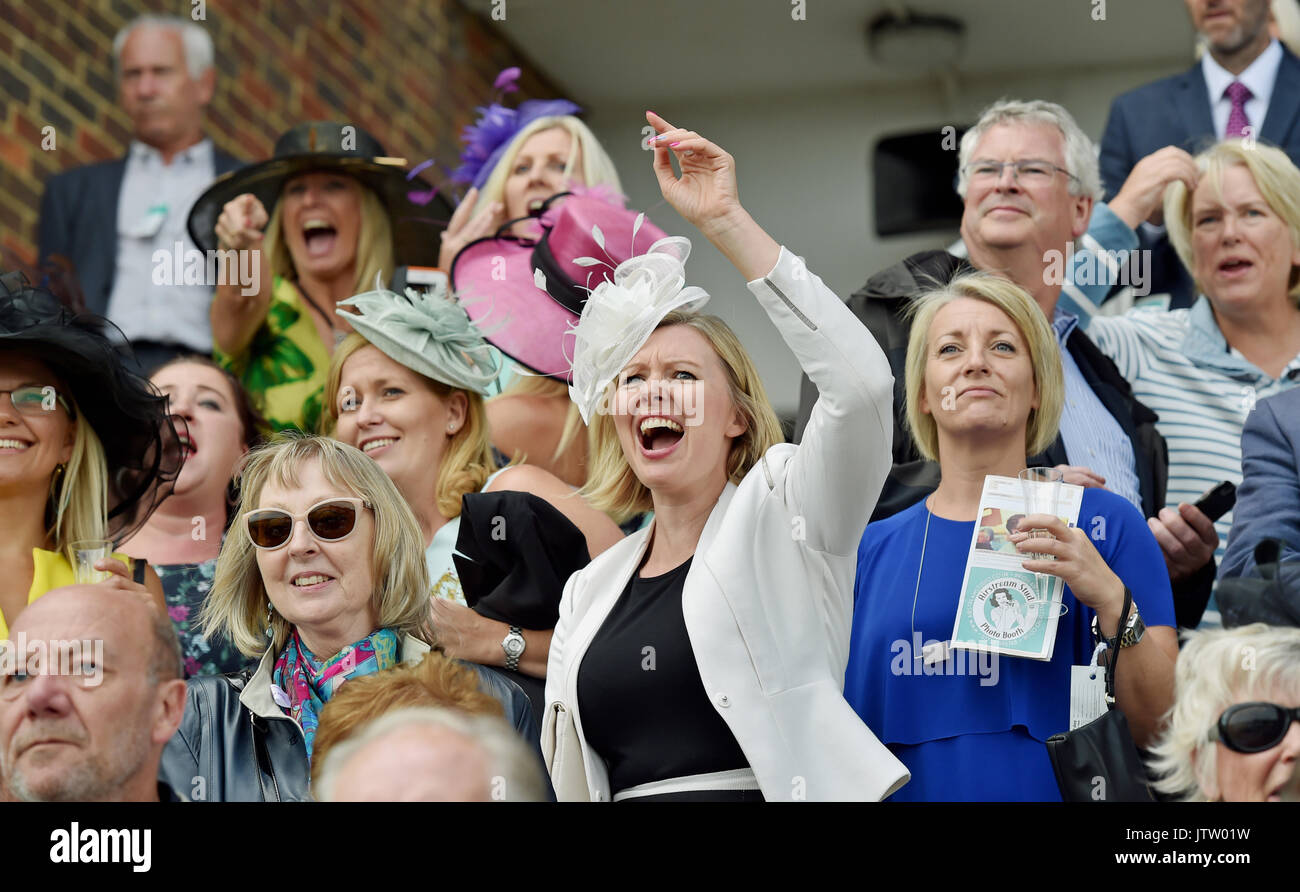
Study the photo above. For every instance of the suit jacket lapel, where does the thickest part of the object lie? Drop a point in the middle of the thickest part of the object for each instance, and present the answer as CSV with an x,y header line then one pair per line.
x,y
224,163
99,205
1192,106
112,191
1284,104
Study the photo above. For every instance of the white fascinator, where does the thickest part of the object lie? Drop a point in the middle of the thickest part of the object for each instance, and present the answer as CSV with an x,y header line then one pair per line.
x,y
620,315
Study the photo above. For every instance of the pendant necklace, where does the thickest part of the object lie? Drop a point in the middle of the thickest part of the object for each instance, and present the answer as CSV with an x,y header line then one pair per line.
x,y
936,652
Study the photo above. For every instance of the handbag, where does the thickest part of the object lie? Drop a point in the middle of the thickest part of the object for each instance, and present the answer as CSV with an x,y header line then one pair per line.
x,y
1270,596
1099,762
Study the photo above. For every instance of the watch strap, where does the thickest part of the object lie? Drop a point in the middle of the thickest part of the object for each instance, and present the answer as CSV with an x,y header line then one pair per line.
x,y
1133,630
512,656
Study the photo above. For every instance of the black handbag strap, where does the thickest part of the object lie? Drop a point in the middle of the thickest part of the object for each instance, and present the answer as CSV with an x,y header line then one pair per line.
x,y
1112,644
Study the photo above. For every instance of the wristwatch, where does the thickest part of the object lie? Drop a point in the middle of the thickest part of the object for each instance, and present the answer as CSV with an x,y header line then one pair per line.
x,y
513,644
1134,629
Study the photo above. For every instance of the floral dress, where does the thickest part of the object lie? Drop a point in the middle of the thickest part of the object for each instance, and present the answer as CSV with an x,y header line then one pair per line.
x,y
285,366
186,586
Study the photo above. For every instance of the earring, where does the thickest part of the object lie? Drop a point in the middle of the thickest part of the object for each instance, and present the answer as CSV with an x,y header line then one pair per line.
x,y
54,485
270,613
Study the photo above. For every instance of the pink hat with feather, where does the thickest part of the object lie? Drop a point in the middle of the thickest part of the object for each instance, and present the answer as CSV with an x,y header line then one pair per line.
x,y
526,295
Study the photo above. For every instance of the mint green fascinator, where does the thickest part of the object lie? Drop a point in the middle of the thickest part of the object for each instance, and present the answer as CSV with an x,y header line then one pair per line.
x,y
427,333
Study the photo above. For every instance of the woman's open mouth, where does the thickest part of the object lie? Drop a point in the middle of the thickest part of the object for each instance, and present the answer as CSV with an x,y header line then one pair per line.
x,y
319,237
1234,266
658,436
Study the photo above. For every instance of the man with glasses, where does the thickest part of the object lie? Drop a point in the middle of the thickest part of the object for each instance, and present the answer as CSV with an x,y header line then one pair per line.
x,y
1029,180
90,691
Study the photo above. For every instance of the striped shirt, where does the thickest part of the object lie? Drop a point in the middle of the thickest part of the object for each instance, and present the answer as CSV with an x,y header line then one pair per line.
x,y
1180,366
1092,436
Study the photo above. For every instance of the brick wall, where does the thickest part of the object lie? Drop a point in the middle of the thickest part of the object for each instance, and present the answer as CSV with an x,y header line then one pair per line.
x,y
411,73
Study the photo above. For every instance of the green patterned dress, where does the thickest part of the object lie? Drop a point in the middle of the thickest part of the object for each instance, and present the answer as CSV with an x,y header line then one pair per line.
x,y
285,365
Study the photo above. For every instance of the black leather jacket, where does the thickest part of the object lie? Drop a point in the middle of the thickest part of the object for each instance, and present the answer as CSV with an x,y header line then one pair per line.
x,y
235,745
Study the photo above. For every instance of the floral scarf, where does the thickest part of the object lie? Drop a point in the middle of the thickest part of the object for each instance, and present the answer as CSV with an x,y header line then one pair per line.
x,y
302,684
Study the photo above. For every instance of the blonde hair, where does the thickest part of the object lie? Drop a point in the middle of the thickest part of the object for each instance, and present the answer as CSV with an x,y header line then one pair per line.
x,y
468,461
613,487
1217,668
597,168
374,257
437,680
237,605
1276,177
1044,356
540,385
78,504
1286,21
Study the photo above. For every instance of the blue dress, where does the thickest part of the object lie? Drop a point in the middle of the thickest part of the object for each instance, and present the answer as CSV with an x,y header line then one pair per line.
x,y
974,729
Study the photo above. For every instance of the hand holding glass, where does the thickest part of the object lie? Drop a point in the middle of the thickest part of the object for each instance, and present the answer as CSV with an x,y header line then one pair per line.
x,y
1042,490
87,553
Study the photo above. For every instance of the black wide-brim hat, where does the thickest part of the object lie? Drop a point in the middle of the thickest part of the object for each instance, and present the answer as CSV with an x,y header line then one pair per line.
x,y
342,148
141,447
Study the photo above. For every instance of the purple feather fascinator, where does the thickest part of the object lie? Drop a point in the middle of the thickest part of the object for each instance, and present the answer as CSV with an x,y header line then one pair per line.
x,y
486,139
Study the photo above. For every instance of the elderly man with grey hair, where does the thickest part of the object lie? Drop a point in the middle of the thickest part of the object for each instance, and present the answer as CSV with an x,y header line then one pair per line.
x,y
109,219
91,689
1030,184
432,754
1234,730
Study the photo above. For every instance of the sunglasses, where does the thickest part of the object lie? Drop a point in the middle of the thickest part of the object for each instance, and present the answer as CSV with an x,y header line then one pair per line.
x,y
329,521
1254,727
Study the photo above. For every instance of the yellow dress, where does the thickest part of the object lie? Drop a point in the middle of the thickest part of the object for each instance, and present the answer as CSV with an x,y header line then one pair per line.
x,y
51,570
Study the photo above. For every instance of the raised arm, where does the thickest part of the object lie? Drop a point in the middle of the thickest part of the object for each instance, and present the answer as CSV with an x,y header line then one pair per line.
x,y
1099,258
237,316
706,194
1106,248
836,474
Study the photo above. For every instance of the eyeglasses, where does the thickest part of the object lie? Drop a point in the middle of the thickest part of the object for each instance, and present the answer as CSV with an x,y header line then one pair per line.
x,y
1028,173
329,521
36,400
1254,727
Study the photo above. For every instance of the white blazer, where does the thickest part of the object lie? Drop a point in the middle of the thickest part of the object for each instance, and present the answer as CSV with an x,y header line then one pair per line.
x,y
768,600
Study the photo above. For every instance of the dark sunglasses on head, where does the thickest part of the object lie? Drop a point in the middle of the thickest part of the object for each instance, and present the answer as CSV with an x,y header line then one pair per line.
x,y
1254,727
329,521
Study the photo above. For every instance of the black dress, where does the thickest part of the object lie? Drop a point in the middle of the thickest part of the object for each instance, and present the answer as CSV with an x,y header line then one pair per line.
x,y
644,707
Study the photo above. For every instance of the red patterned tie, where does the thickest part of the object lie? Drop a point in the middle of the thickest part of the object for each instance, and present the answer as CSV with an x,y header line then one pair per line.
x,y
1237,93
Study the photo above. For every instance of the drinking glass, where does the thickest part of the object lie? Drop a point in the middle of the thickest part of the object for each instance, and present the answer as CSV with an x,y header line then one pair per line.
x,y
87,552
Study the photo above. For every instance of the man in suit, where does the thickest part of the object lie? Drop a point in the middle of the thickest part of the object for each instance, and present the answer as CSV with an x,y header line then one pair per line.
x,y
1268,502
1246,84
1029,180
111,219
